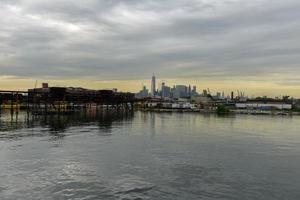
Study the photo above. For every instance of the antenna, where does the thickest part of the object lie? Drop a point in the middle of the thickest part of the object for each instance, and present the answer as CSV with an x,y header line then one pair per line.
x,y
35,85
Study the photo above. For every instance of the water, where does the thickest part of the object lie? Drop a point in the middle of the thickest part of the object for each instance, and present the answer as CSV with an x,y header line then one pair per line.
x,y
149,156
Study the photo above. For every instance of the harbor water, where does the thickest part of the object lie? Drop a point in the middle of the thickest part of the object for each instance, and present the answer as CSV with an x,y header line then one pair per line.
x,y
148,155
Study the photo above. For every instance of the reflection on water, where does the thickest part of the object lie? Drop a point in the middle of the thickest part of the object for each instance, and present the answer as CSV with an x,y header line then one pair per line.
x,y
146,155
58,124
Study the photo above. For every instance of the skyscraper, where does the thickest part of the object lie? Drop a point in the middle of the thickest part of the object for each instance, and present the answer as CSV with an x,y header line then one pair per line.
x,y
143,93
181,91
165,90
162,89
153,86
194,89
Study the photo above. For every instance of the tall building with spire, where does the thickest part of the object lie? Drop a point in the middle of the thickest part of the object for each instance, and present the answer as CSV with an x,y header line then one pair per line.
x,y
153,86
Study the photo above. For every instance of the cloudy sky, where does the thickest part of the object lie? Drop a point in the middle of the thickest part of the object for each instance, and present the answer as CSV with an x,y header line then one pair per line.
x,y
250,45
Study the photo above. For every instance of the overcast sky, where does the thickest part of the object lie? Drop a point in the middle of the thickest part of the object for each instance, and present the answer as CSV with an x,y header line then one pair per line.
x,y
246,41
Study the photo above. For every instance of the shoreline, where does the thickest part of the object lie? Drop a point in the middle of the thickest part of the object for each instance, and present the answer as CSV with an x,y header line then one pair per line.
x,y
231,112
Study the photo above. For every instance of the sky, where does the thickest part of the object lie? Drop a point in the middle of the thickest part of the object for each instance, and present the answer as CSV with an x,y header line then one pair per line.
x,y
224,45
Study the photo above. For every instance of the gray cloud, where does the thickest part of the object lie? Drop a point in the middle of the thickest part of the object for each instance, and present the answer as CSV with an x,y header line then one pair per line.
x,y
130,39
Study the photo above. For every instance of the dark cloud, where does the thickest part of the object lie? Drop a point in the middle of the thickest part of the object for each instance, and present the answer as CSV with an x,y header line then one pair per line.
x,y
130,39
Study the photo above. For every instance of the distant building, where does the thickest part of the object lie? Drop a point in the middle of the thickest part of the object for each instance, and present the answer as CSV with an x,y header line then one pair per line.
x,y
203,101
165,91
153,86
264,106
181,91
297,104
176,92
194,91
45,85
189,91
144,93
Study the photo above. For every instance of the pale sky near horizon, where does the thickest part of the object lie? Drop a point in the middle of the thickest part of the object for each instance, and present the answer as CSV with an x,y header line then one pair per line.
x,y
252,46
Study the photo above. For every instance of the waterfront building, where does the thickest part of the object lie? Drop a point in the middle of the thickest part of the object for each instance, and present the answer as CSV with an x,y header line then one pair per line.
x,y
204,101
45,85
263,106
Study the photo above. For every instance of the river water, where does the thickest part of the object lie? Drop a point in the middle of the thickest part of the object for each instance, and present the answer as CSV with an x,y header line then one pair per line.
x,y
144,155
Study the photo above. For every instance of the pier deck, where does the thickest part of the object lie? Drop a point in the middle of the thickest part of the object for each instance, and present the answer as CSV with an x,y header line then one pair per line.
x,y
64,99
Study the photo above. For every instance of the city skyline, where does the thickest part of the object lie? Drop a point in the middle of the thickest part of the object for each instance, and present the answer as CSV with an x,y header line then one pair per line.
x,y
255,89
155,88
225,46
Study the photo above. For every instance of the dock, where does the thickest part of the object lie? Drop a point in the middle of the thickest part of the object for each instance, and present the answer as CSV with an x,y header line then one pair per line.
x,y
64,100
